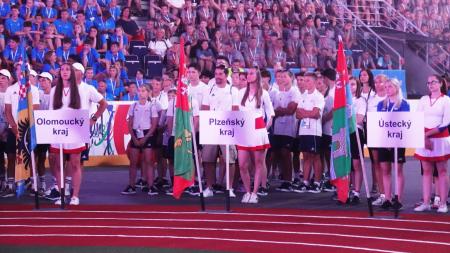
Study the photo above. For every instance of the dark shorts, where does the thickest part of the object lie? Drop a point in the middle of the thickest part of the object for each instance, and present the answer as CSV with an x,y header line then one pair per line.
x,y
42,148
310,143
387,155
354,144
157,139
281,141
150,143
11,142
85,154
169,150
326,143
296,146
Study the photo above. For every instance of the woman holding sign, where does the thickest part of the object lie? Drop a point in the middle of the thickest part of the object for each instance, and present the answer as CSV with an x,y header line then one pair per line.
x,y
255,99
436,108
71,93
393,102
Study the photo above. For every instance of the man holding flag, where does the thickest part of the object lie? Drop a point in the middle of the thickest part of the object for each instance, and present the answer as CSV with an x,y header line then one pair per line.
x,y
20,101
183,161
343,126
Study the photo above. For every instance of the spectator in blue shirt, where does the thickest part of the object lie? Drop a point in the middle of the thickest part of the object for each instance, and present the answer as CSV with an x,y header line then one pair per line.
x,y
132,94
102,90
25,35
73,10
63,52
12,52
28,11
48,12
14,23
123,71
92,10
98,41
89,56
2,37
81,19
113,55
64,25
114,10
105,23
50,64
5,9
38,55
89,77
139,78
39,24
120,37
393,102
103,3
114,86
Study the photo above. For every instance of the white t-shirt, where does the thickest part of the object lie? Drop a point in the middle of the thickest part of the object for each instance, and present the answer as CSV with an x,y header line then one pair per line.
x,y
3,122
12,98
88,95
162,101
437,111
44,100
221,99
266,108
142,115
159,47
309,101
327,127
372,100
284,125
359,107
171,112
198,91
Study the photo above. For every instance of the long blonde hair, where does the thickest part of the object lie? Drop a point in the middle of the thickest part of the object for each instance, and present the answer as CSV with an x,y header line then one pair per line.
x,y
399,98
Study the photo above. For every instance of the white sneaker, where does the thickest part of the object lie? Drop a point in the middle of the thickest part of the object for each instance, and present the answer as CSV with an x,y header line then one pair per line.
x,y
74,201
246,198
443,209
208,193
436,202
379,201
58,202
253,198
232,195
423,207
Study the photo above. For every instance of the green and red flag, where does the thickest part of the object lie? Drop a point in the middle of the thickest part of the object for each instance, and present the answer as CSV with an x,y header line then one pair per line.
x,y
343,126
184,162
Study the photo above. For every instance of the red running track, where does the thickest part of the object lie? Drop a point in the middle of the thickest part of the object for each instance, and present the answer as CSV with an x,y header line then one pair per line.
x,y
243,230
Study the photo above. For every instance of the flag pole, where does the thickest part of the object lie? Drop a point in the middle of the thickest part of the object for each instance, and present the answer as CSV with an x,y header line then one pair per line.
x,y
61,169
33,167
396,202
197,166
227,171
363,169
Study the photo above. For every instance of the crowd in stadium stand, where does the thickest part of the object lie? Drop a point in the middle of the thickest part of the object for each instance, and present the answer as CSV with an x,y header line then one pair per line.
x,y
95,43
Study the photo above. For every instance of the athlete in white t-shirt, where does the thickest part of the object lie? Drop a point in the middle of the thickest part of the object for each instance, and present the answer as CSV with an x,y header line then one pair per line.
x,y
309,111
11,100
142,124
284,101
221,96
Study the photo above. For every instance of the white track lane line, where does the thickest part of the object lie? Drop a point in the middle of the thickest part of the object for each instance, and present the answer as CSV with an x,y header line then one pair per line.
x,y
229,230
204,238
230,221
234,214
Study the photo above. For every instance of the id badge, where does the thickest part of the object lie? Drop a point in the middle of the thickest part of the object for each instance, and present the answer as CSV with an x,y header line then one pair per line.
x,y
305,124
139,134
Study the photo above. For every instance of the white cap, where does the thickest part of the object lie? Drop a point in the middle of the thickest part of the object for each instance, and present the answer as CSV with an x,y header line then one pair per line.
x,y
78,66
46,75
5,72
33,73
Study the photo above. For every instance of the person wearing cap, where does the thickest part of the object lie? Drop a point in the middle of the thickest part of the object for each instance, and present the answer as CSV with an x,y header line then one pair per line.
x,y
45,82
11,109
71,80
5,76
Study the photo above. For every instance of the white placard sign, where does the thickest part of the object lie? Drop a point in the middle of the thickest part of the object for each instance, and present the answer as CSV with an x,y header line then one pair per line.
x,y
395,129
226,127
62,126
